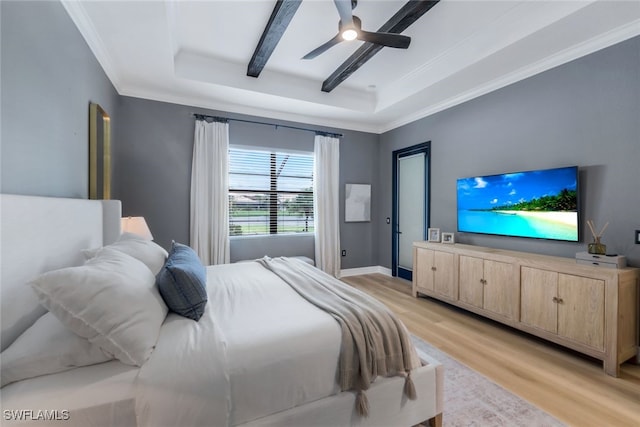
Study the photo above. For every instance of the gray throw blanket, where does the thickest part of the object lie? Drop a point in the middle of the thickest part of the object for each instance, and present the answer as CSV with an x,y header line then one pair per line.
x,y
374,341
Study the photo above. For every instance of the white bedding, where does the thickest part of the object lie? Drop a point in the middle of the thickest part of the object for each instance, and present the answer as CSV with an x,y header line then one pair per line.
x,y
260,355
266,350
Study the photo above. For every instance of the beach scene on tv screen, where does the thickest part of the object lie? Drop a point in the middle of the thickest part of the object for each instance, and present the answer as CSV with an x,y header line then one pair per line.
x,y
539,204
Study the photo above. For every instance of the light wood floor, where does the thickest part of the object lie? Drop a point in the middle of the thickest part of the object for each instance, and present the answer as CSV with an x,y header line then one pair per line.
x,y
569,386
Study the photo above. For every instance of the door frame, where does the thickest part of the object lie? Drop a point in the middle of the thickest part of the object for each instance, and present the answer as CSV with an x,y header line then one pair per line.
x,y
425,148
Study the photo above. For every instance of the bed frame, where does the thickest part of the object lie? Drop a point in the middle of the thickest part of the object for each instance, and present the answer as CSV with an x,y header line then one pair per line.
x,y
39,234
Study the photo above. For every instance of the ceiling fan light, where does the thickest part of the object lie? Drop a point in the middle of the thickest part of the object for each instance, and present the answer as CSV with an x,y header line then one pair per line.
x,y
349,34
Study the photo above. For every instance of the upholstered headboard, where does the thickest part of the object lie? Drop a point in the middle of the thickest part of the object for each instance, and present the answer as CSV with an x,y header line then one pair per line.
x,y
40,234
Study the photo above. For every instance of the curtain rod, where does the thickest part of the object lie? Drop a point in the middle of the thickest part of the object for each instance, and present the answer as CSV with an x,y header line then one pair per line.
x,y
226,120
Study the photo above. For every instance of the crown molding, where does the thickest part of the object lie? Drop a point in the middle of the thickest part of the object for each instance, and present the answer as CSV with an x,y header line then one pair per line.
x,y
580,50
595,44
85,26
211,104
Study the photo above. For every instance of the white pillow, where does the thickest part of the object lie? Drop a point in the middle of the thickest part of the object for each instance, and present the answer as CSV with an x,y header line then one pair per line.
x,y
45,348
112,301
150,253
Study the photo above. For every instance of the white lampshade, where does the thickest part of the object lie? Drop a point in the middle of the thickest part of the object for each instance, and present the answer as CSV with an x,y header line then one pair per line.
x,y
136,225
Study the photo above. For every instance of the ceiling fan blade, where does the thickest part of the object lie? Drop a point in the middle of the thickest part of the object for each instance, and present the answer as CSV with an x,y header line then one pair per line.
x,y
345,11
317,51
385,39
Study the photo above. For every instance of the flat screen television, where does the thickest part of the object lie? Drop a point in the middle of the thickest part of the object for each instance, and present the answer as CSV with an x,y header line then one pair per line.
x,y
540,204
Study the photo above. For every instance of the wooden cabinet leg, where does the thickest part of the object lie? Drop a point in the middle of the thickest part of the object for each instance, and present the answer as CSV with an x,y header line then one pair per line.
x,y
436,421
611,368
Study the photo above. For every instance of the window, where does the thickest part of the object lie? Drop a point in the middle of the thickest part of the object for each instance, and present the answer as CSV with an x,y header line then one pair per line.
x,y
270,192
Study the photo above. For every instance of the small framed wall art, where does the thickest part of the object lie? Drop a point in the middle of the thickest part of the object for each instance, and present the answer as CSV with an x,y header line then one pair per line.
x,y
357,204
433,235
448,238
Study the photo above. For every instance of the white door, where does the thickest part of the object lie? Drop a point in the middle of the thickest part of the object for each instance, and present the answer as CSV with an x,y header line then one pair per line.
x,y
411,208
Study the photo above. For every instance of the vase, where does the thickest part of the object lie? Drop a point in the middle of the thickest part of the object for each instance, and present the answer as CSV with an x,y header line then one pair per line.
x,y
596,247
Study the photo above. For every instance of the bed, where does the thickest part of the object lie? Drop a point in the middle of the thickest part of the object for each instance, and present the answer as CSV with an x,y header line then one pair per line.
x,y
259,355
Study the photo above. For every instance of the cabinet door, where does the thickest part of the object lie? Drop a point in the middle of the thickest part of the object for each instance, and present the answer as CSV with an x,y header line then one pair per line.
x,y
581,309
444,274
538,307
501,291
471,280
424,263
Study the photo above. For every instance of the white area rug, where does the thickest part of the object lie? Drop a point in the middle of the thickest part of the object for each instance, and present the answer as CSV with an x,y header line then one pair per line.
x,y
472,400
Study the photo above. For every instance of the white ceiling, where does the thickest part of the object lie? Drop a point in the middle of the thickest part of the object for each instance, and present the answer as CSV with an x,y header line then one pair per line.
x,y
196,53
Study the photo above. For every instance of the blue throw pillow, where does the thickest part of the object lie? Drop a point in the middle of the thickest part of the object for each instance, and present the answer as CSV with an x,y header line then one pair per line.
x,y
182,282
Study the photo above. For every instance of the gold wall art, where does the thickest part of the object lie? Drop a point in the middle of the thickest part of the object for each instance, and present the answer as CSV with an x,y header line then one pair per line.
x,y
99,153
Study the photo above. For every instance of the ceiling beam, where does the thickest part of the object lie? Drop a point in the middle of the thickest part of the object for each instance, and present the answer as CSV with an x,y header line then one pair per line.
x,y
280,18
407,15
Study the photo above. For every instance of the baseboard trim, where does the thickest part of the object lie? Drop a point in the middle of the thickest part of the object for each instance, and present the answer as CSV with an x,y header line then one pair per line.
x,y
365,270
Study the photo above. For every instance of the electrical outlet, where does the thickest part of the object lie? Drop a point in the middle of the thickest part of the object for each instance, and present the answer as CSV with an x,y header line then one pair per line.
x,y
637,237
344,252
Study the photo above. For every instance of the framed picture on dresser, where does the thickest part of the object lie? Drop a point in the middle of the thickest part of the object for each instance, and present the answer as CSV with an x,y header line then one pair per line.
x,y
448,238
433,234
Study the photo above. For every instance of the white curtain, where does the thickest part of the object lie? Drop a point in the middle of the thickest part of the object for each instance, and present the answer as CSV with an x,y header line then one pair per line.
x,y
326,203
209,192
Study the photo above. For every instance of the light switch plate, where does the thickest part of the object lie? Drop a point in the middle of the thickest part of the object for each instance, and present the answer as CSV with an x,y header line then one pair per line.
x,y
637,237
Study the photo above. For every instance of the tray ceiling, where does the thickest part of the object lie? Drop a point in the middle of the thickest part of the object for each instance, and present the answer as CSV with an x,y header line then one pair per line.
x,y
196,53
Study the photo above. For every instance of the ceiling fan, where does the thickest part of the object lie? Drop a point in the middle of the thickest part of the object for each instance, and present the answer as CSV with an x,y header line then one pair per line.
x,y
350,28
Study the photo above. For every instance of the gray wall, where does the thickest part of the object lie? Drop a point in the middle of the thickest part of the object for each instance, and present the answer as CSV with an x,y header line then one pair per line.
x,y
49,77
153,173
584,113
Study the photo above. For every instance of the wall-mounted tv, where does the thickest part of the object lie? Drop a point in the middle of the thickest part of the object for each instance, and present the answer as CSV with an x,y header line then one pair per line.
x,y
541,204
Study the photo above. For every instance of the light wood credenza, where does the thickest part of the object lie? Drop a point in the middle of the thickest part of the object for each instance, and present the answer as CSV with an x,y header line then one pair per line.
x,y
590,309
